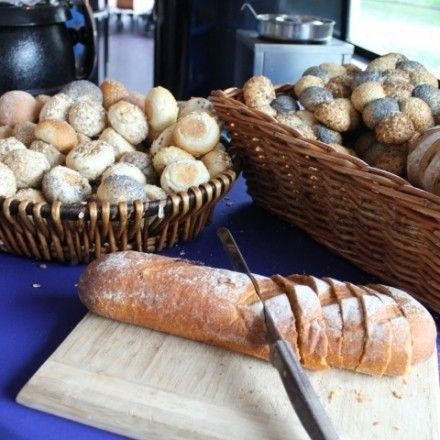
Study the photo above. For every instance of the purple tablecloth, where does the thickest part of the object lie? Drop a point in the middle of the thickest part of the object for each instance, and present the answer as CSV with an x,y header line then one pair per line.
x,y
39,306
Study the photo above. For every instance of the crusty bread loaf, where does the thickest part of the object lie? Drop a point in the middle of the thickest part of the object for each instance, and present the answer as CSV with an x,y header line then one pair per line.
x,y
374,329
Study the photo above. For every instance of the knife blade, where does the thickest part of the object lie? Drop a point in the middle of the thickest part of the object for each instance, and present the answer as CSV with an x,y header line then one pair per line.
x,y
301,394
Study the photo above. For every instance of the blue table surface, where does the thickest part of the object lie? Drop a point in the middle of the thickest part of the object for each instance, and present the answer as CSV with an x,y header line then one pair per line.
x,y
39,305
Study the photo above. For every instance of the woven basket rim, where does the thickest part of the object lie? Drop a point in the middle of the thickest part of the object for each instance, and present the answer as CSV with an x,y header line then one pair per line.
x,y
81,210
318,148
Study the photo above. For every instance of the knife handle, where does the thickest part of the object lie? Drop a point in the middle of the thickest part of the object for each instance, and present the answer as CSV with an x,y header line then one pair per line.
x,y
301,393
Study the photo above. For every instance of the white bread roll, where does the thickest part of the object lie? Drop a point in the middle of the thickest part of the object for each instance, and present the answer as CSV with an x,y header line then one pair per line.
x,y
56,107
142,161
182,175
30,195
28,166
25,132
91,159
119,144
129,121
196,105
10,144
197,133
168,155
87,117
154,192
5,131
53,156
65,185
165,139
217,161
112,92
161,108
57,133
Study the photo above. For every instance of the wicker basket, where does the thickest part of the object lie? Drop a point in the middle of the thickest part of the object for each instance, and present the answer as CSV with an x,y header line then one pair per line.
x,y
375,219
80,233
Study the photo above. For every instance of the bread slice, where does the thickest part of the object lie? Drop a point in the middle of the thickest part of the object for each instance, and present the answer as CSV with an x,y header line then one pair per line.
x,y
312,338
421,324
377,348
353,326
401,352
331,314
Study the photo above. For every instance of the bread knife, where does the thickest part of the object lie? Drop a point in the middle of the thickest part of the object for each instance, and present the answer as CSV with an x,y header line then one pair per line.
x,y
302,396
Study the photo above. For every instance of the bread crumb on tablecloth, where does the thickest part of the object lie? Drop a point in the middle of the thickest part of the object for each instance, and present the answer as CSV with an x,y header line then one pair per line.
x,y
396,394
331,395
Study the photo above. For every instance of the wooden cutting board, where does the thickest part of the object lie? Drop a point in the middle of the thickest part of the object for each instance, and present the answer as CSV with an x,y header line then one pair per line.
x,y
150,385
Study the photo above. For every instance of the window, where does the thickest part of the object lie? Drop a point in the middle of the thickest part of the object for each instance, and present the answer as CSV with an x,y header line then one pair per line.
x,y
411,27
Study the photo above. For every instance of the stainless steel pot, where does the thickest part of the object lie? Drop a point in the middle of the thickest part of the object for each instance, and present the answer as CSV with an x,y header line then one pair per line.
x,y
285,27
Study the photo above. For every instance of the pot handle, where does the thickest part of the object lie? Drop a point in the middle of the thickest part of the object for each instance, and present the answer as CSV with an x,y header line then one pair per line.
x,y
87,36
248,6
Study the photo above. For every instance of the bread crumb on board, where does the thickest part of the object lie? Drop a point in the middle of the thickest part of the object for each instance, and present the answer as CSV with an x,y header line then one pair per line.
x,y
331,395
360,397
397,394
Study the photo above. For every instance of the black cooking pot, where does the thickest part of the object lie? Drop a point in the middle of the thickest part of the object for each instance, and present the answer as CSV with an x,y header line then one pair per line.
x,y
37,46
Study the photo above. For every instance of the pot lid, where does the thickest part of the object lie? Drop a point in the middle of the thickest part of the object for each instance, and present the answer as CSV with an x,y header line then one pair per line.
x,y
39,14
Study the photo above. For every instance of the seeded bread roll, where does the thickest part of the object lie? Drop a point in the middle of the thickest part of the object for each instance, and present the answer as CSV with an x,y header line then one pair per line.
x,y
24,132
83,90
87,117
391,158
28,167
386,62
165,139
143,162
307,81
217,162
258,92
371,329
65,185
333,69
397,129
196,105
340,86
125,169
339,115
91,159
53,156
82,138
117,188
129,121
57,133
112,92
311,97
292,120
327,135
5,131
397,89
161,108
119,144
56,107
17,106
168,155
419,112
318,71
307,117
365,93
30,195
8,182
378,110
197,133
10,144
182,175
154,192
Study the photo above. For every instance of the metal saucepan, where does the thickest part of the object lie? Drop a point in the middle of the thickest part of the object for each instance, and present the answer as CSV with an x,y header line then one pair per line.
x,y
292,27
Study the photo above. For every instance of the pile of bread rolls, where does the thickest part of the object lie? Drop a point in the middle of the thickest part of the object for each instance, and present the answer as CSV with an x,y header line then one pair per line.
x,y
106,143
376,113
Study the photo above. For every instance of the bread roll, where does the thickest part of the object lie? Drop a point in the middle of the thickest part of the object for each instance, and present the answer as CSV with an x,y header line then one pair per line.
x,y
196,105
129,121
119,144
91,159
65,185
197,133
8,182
83,90
307,81
168,155
5,131
112,92
161,108
17,106
57,133
258,91
125,169
361,328
117,188
136,98
217,162
10,144
28,166
182,175
365,93
154,192
56,107
87,117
